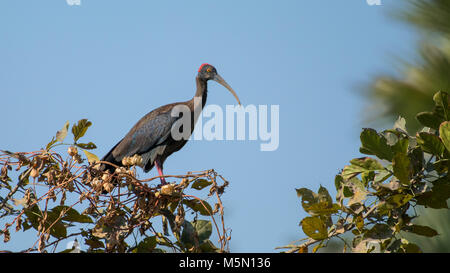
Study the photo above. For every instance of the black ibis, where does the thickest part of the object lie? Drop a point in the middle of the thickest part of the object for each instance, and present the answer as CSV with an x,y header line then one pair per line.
x,y
151,136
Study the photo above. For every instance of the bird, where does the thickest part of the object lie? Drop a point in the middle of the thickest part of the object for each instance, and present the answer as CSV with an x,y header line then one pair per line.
x,y
151,136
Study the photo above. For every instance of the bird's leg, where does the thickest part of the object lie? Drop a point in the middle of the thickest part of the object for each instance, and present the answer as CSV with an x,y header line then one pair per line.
x,y
160,171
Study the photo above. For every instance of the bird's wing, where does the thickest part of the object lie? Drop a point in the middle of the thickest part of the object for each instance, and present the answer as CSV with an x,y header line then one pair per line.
x,y
149,132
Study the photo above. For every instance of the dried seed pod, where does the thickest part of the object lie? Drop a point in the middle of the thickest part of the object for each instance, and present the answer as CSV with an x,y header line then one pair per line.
x,y
34,173
216,208
36,162
6,235
108,187
72,151
4,171
127,161
105,177
77,158
138,160
95,182
167,189
135,160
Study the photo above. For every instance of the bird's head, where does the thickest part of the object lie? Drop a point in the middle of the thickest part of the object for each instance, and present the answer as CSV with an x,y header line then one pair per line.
x,y
209,72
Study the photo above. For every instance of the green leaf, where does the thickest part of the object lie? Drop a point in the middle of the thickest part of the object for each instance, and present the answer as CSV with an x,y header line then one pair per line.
x,y
88,146
322,209
430,143
208,247
398,200
146,246
314,228
429,119
442,107
338,181
408,247
61,135
441,166
33,215
444,133
360,165
440,113
197,206
324,196
57,229
50,144
422,230
308,197
375,144
402,168
359,222
417,158
379,232
438,196
72,215
80,129
199,231
188,235
317,204
347,192
94,243
203,229
92,158
433,199
401,146
199,184
381,176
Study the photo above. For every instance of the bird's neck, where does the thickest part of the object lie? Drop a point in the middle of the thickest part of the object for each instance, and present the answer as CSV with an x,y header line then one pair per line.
x,y
202,90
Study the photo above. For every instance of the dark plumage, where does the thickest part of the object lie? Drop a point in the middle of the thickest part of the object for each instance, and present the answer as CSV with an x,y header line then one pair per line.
x,y
151,136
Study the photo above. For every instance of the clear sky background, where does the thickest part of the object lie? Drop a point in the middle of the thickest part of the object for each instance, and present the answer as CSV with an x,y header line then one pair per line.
x,y
114,61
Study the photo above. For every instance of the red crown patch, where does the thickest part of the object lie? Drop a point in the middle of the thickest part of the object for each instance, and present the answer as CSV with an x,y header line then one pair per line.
x,y
202,66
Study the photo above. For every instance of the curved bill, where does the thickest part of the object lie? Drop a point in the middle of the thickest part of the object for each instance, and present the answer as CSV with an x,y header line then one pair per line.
x,y
220,80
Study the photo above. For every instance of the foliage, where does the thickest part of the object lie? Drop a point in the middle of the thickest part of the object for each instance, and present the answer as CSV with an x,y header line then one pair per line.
x,y
62,197
411,89
377,195
430,15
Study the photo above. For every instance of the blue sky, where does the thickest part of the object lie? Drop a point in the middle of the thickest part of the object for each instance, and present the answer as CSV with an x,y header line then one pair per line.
x,y
113,61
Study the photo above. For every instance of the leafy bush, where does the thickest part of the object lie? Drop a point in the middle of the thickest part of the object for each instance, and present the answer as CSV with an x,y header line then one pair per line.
x,y
377,195
63,197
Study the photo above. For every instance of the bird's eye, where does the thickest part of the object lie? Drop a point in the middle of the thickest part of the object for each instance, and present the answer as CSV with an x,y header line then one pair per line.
x,y
209,69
